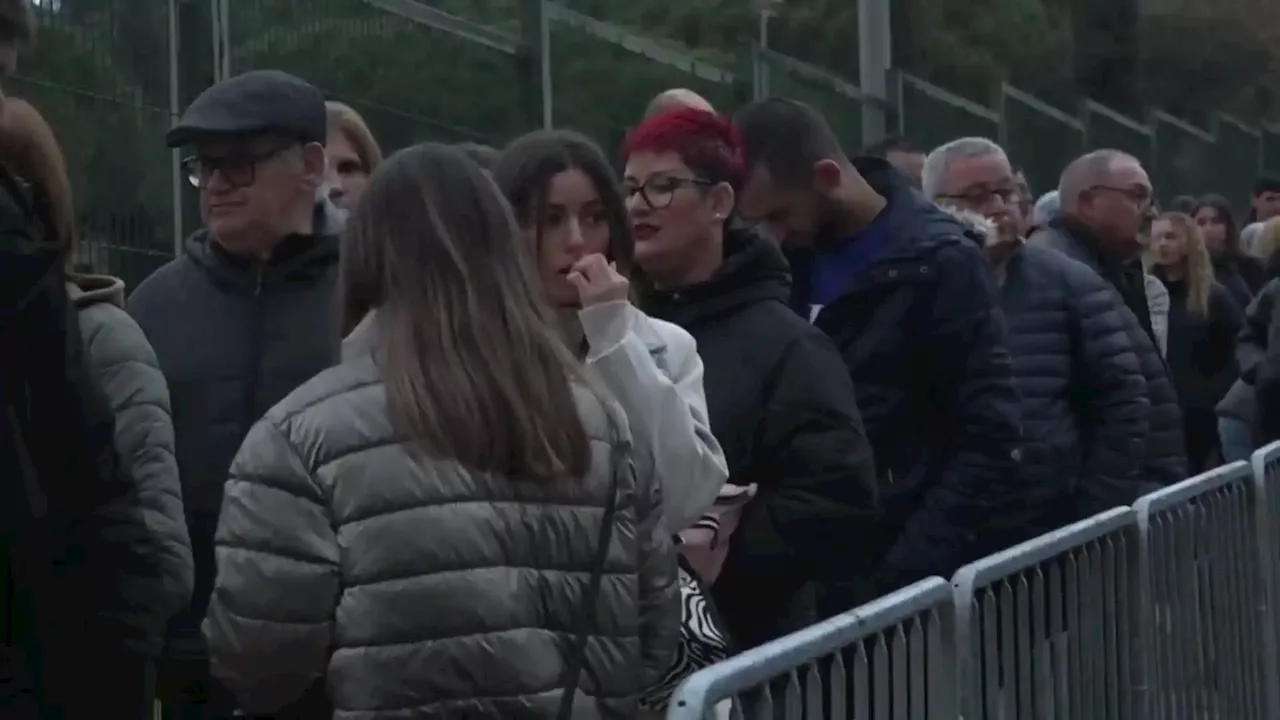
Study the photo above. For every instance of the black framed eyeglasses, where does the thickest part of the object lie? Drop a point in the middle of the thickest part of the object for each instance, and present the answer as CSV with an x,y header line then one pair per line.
x,y
979,197
1137,196
659,190
239,169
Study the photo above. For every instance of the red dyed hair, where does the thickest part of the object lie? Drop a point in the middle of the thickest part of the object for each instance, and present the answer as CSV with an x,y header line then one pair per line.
x,y
708,143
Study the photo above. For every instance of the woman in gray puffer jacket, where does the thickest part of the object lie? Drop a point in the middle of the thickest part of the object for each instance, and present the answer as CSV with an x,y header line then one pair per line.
x,y
419,527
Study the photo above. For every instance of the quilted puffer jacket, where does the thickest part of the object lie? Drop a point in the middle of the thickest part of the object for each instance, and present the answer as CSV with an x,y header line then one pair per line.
x,y
428,590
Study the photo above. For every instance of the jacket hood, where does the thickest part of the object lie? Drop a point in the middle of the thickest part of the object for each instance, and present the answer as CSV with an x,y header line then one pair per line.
x,y
980,227
753,270
914,223
297,257
90,289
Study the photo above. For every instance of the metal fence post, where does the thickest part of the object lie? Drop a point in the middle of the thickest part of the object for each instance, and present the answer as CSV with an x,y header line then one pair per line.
x,y
875,57
535,56
175,107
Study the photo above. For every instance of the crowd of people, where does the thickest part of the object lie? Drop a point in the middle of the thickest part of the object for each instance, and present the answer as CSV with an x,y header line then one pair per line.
x,y
465,432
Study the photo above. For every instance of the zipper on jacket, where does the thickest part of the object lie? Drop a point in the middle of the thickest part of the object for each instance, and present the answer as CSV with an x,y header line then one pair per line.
x,y
255,353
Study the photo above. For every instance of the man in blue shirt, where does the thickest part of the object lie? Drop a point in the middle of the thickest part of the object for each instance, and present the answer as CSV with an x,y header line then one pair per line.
x,y
905,292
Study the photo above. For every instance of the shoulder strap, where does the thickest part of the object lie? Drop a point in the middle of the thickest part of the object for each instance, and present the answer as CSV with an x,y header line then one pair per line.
x,y
577,655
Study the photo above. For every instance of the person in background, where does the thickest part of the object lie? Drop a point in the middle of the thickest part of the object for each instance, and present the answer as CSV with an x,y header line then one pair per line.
x,y
1258,357
1106,203
1203,324
904,291
1082,394
482,155
780,402
353,154
1025,202
415,505
675,99
1046,209
1185,204
1247,240
567,201
1234,269
123,367
905,156
1265,202
242,317
1264,246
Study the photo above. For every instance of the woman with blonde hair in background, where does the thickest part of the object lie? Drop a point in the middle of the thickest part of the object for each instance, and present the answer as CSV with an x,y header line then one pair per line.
x,y
353,154
454,521
117,573
1203,323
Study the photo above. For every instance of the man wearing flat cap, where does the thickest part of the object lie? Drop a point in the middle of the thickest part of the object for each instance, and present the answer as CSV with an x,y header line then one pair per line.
x,y
242,317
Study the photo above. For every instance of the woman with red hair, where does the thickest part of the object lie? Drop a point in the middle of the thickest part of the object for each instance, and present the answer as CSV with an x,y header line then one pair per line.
x,y
780,400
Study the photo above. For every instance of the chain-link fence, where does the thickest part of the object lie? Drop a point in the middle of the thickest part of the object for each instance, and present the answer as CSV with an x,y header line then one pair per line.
x,y
110,75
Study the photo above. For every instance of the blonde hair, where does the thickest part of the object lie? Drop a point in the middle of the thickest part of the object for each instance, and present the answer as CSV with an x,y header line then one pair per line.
x,y
1267,239
1199,268
344,119
30,149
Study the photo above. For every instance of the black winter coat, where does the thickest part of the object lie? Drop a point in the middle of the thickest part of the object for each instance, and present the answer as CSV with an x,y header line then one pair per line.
x,y
1084,398
233,339
1258,356
923,337
783,409
1165,460
77,565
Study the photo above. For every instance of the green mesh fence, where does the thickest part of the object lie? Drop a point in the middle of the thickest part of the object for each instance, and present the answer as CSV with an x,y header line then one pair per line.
x,y
836,99
1271,150
1105,128
411,82
932,116
101,80
1184,157
601,88
1236,158
1040,138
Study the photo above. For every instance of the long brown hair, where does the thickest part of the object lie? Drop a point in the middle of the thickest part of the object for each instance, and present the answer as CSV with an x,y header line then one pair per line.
x,y
474,367
31,151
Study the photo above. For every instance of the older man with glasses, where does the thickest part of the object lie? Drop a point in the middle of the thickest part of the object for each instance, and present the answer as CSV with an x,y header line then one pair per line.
x,y
242,317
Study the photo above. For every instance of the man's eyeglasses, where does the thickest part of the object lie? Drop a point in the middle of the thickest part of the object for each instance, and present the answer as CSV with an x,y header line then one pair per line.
x,y
1141,198
659,190
239,169
979,197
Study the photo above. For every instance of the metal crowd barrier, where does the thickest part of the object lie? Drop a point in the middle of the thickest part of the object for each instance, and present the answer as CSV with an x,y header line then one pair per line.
x,y
1168,609
893,657
1051,626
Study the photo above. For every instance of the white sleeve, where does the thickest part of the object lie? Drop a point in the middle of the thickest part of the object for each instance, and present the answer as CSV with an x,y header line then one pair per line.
x,y
665,407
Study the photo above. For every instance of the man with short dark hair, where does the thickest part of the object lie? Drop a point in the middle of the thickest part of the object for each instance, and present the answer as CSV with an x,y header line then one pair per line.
x,y
1266,199
905,156
905,292
243,316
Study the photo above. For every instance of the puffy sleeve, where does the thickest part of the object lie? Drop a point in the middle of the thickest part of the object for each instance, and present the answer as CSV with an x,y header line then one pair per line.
x,y
270,620
128,373
664,403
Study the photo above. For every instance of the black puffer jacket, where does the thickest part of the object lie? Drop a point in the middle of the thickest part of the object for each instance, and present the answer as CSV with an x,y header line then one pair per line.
x,y
1083,396
233,338
1165,460
783,408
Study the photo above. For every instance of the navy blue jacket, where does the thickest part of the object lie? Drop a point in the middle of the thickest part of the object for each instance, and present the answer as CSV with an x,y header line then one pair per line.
x,y
1084,397
924,339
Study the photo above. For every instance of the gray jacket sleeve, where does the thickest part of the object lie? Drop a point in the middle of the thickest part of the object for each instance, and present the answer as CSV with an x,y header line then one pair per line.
x,y
270,621
659,587
129,375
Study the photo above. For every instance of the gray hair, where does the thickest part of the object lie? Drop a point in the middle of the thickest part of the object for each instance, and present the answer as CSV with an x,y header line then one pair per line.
x,y
1047,209
1088,170
938,163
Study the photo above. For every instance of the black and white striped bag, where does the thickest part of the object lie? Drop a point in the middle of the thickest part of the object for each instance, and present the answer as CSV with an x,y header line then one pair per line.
x,y
702,643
